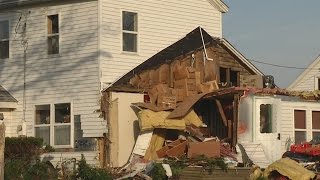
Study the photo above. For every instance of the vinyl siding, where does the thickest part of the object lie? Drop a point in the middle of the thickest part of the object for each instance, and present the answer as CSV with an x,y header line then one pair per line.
x,y
160,24
71,76
287,119
308,81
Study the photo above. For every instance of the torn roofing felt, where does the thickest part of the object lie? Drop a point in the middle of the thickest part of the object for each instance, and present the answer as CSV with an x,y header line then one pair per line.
x,y
5,96
191,42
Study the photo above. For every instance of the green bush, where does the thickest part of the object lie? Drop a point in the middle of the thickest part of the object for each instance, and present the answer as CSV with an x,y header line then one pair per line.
x,y
86,172
20,169
158,172
22,147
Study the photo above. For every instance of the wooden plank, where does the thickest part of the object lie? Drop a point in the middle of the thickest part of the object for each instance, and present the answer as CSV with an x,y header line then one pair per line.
x,y
185,106
164,74
235,119
223,115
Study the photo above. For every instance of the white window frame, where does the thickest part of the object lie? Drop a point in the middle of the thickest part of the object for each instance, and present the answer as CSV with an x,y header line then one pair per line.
x,y
129,32
52,124
54,34
2,40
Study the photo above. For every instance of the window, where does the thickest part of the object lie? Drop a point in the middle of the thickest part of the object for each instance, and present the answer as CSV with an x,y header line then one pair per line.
x,y
266,124
229,77
129,31
53,124
4,39
300,126
53,34
315,124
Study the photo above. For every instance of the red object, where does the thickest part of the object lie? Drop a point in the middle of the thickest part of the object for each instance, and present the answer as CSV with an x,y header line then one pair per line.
x,y
306,148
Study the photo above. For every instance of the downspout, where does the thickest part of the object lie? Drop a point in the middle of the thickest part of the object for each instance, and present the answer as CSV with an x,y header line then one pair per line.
x,y
204,48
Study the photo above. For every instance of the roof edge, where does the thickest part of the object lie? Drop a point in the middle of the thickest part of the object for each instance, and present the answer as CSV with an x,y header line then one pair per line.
x,y
220,5
304,73
241,57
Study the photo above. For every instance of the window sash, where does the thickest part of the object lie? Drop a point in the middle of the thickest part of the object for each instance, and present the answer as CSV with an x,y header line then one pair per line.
x,y
4,30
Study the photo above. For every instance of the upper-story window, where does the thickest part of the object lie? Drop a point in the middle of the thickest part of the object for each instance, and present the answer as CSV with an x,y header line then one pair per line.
x,y
229,77
53,34
129,31
4,39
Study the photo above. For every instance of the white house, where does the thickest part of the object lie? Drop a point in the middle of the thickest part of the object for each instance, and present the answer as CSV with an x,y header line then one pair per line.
x,y
309,79
56,56
270,122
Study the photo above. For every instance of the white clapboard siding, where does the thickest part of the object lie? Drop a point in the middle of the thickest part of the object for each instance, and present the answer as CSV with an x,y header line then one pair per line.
x,y
308,79
71,76
160,23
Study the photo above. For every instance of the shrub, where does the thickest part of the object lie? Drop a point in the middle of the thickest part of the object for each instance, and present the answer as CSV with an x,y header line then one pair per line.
x,y
22,147
86,172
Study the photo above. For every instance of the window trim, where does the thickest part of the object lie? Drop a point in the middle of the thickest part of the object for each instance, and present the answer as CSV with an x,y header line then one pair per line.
x,y
54,34
2,40
316,82
53,124
129,32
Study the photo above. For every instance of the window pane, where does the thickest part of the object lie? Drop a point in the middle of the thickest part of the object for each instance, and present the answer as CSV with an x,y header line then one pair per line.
x,y
129,42
62,135
42,114
315,119
4,49
129,21
315,135
53,24
62,113
44,133
265,118
4,30
300,119
223,75
234,78
53,45
299,137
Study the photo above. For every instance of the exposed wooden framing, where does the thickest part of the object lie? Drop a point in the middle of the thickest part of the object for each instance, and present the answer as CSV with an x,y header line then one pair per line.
x,y
235,119
223,115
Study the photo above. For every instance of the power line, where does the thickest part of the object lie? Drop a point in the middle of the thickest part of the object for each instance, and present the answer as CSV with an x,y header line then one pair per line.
x,y
281,66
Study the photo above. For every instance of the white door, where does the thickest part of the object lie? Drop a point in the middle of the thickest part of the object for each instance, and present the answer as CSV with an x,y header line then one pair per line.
x,y
267,126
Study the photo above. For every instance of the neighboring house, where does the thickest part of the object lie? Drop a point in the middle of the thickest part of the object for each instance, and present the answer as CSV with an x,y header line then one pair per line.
x,y
8,104
271,120
218,62
56,56
309,79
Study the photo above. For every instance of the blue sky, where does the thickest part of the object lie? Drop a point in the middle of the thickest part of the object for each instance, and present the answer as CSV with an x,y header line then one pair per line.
x,y
285,32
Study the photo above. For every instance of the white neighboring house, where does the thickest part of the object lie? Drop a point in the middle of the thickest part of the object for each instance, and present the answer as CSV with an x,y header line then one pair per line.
x,y
72,50
270,123
309,79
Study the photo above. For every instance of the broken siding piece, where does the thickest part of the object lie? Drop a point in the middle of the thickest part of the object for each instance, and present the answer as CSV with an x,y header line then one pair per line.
x,y
142,143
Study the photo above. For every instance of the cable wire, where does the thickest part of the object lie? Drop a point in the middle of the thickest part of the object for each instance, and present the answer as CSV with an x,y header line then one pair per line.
x,y
282,66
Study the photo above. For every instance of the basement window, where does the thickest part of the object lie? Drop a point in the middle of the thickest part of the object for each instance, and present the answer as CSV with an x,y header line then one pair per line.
x,y
266,123
129,31
4,39
53,34
300,129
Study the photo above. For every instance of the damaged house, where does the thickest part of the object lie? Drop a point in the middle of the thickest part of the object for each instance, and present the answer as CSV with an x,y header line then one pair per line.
x,y
194,74
200,91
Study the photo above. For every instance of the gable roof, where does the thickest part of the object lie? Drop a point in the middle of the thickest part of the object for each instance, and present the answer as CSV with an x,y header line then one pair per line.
x,y
187,44
304,73
5,96
5,4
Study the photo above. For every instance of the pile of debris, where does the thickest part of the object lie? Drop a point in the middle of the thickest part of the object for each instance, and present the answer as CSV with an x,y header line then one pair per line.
x,y
161,139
